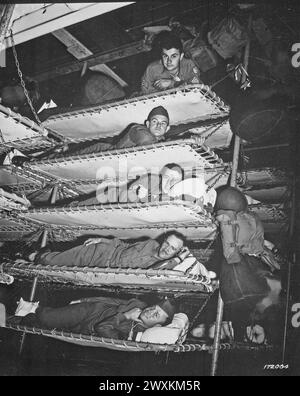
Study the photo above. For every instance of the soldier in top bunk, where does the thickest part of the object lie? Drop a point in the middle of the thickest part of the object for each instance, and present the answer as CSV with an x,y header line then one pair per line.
x,y
152,131
172,70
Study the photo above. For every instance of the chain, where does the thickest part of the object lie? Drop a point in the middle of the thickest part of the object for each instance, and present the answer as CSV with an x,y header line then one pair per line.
x,y
218,177
216,129
202,308
22,80
245,160
3,143
206,301
1,137
210,244
181,338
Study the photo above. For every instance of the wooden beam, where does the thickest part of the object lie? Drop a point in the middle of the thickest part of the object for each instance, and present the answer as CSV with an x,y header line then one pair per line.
x,y
57,15
97,59
6,11
80,51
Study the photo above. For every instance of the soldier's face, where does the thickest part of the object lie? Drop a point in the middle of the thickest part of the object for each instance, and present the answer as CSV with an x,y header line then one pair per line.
x,y
171,59
169,178
158,125
153,315
170,247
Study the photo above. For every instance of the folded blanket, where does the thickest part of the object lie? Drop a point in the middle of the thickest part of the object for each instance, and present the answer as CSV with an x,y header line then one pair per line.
x,y
190,265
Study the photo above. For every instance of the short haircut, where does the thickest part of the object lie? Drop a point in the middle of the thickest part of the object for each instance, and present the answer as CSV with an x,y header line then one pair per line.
x,y
176,234
159,110
171,166
169,40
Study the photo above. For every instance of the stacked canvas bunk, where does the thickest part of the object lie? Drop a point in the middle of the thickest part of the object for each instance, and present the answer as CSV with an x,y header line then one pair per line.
x,y
192,108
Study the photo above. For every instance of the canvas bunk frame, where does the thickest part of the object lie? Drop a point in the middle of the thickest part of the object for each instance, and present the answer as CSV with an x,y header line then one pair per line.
x,y
221,111
127,345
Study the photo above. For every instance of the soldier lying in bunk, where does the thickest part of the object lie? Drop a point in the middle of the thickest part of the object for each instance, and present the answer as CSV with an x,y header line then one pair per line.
x,y
99,316
114,253
152,131
172,70
166,185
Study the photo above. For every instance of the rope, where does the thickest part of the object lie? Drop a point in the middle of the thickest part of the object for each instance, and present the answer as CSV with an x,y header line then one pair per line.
x,y
208,155
74,231
193,209
42,178
53,284
134,346
194,88
57,270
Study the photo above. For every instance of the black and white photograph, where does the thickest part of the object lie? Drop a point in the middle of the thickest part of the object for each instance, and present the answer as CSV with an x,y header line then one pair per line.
x,y
149,191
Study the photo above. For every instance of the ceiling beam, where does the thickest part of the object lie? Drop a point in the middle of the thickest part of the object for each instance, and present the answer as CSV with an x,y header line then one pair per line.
x,y
80,51
55,16
96,59
6,11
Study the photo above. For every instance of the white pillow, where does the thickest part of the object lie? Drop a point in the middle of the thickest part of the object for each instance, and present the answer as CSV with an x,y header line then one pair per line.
x,y
166,334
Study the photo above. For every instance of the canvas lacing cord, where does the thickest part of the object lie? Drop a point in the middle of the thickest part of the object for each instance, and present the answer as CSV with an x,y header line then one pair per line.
x,y
208,155
183,90
120,344
133,345
74,230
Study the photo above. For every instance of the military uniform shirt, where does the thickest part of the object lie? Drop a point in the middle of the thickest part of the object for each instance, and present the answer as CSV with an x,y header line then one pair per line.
x,y
188,74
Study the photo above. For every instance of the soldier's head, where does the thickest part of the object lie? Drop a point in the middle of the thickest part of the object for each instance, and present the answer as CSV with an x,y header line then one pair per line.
x,y
171,245
171,174
171,51
158,314
158,121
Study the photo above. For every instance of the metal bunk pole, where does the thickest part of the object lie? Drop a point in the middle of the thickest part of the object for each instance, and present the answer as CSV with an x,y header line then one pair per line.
x,y
291,261
33,290
35,280
235,162
220,307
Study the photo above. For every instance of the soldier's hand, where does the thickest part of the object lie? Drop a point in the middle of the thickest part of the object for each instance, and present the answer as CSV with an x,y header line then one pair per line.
x,y
163,83
133,314
141,191
92,241
198,140
183,254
